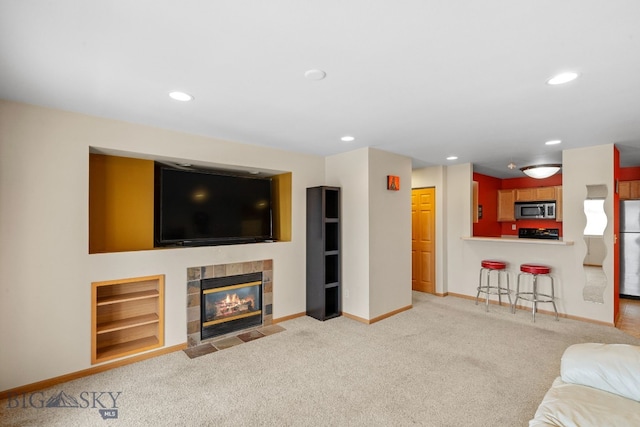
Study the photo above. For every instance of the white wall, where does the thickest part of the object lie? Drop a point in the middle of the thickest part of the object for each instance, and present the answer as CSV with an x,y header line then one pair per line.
x,y
390,231
376,231
582,167
458,202
349,171
45,269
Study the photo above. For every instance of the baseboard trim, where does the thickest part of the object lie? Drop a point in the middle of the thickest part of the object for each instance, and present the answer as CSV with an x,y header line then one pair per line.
x,y
350,316
356,318
378,318
40,385
391,313
285,318
524,308
470,297
438,294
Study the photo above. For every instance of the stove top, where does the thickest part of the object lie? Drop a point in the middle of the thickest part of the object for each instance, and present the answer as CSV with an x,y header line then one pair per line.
x,y
539,233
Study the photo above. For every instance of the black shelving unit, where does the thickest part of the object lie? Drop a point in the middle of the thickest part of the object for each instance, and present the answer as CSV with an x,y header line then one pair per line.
x,y
324,299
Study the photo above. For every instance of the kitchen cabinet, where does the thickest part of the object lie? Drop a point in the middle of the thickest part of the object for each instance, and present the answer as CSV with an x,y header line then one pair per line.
x,y
525,194
535,194
546,193
558,199
629,190
506,200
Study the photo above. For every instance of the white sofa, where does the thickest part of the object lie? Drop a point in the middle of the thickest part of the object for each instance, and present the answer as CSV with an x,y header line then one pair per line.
x,y
599,385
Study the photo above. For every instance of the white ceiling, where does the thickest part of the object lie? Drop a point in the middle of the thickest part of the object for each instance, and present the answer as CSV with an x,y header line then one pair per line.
x,y
423,78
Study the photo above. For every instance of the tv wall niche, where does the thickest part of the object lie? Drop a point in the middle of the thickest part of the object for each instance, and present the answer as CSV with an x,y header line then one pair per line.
x,y
122,206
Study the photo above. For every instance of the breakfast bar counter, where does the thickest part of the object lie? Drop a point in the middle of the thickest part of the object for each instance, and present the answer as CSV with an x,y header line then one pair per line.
x,y
515,239
559,255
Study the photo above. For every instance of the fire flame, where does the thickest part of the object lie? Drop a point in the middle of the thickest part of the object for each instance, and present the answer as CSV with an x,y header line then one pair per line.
x,y
233,304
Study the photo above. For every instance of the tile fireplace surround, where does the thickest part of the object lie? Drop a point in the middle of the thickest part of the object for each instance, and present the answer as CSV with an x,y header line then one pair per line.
x,y
196,274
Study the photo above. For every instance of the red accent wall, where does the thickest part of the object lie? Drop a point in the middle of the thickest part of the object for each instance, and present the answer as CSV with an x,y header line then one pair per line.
x,y
625,174
488,187
527,182
618,174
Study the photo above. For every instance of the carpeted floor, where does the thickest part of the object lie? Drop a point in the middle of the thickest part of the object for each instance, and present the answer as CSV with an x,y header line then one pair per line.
x,y
446,362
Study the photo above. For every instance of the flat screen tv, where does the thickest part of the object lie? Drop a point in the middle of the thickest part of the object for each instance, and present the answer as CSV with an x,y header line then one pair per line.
x,y
201,207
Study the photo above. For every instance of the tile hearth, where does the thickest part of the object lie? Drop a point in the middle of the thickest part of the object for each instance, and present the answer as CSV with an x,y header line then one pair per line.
x,y
228,342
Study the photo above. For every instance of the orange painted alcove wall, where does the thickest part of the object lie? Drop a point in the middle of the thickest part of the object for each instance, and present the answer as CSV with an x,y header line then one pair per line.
x,y
120,204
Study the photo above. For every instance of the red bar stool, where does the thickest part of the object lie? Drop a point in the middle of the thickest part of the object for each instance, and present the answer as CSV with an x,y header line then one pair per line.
x,y
535,271
487,267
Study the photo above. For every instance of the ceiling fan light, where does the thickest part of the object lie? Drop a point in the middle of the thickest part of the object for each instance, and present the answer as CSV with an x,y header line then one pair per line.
x,y
541,171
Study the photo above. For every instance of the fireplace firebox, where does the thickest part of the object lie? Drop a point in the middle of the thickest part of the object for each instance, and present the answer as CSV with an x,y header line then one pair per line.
x,y
230,304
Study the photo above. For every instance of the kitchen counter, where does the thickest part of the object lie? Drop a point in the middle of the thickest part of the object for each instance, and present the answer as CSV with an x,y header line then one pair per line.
x,y
515,239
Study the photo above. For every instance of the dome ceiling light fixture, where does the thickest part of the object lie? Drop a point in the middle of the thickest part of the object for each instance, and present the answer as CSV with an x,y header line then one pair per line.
x,y
541,171
562,78
180,96
315,75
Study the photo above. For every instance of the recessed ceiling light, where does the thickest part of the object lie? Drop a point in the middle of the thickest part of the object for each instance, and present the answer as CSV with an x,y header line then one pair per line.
x,y
315,74
553,142
180,96
347,138
562,78
452,158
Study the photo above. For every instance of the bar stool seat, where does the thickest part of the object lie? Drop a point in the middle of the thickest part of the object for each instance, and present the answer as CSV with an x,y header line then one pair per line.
x,y
535,271
487,267
493,265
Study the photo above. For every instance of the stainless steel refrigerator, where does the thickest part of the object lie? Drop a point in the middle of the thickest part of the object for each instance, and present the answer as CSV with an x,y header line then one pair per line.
x,y
630,248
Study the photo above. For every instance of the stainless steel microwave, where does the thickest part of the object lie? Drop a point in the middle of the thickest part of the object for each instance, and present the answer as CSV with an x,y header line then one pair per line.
x,y
535,210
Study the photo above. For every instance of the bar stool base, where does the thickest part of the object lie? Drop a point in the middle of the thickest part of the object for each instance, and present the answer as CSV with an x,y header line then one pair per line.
x,y
488,289
534,296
